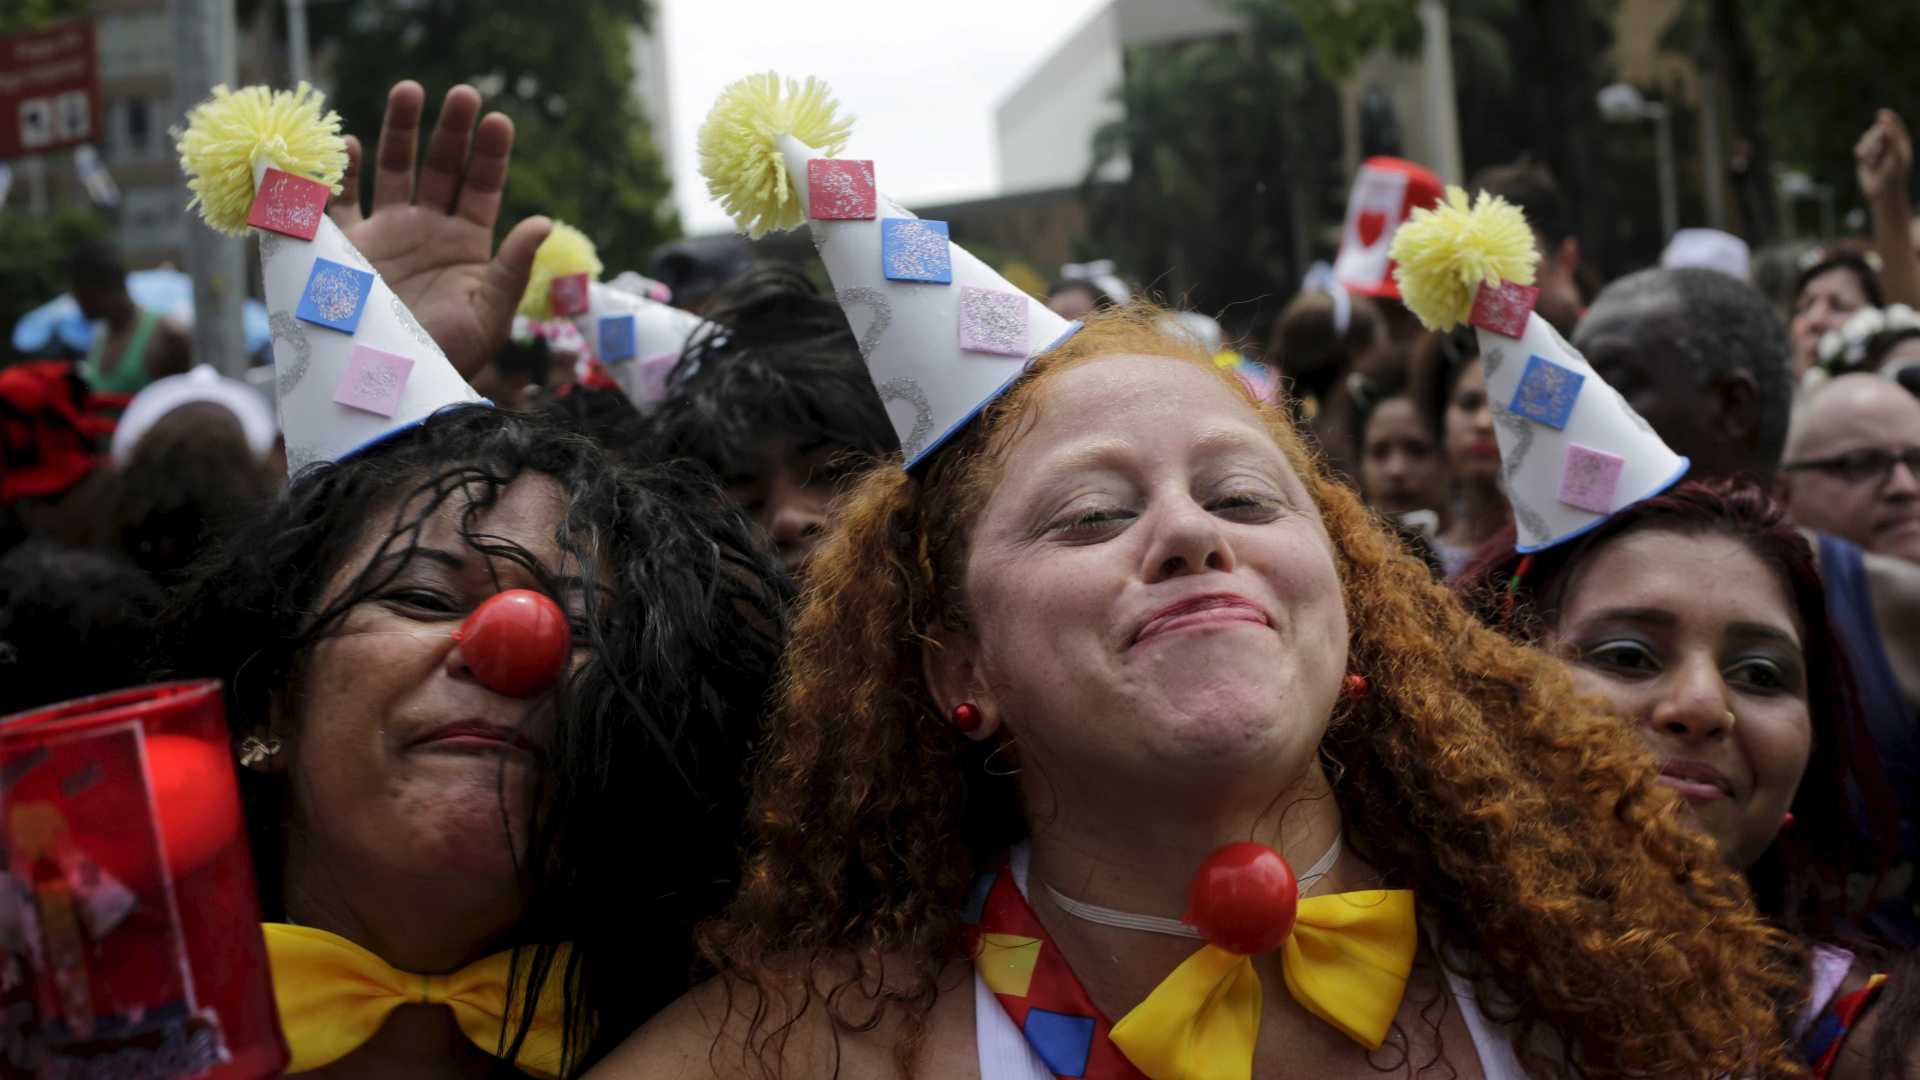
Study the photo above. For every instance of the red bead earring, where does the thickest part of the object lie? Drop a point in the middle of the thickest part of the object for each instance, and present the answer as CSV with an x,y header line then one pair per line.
x,y
1355,688
965,718
1786,820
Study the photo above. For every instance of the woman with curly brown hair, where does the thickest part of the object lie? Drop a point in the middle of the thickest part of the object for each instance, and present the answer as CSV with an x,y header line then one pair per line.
x,y
1149,598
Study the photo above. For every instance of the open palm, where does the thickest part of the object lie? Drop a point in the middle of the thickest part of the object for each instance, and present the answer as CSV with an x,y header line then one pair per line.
x,y
431,237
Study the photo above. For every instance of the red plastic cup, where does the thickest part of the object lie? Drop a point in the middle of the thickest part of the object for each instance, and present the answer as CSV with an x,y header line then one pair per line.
x,y
130,936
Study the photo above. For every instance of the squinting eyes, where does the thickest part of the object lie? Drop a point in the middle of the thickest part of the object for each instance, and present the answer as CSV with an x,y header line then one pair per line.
x,y
1247,508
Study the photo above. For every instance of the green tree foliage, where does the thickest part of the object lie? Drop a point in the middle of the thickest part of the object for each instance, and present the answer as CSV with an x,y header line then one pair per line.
x,y
1824,67
561,69
25,16
1231,142
32,253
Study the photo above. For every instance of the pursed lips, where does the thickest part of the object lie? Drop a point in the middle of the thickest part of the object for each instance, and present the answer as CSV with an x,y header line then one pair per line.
x,y
474,734
1201,611
1696,780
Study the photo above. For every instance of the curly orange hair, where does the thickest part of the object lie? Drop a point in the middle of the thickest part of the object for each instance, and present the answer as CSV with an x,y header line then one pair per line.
x,y
1548,865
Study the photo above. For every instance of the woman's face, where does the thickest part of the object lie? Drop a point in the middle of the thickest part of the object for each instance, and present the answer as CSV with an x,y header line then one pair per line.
x,y
1151,588
1696,639
406,773
1400,468
1472,453
1823,305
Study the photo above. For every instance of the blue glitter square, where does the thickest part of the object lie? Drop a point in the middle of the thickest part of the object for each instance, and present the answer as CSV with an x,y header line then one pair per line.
x,y
335,296
915,249
617,339
1062,1041
1547,392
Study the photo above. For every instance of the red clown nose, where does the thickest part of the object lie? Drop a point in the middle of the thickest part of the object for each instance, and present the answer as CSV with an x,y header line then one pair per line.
x,y
516,643
1244,899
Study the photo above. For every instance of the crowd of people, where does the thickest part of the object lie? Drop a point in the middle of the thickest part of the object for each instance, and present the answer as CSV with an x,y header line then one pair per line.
x,y
942,661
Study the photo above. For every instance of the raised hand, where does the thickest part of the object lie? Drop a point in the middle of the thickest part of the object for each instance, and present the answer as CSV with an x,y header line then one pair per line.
x,y
431,238
1883,158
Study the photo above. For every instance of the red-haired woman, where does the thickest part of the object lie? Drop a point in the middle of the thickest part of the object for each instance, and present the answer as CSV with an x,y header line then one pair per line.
x,y
1121,620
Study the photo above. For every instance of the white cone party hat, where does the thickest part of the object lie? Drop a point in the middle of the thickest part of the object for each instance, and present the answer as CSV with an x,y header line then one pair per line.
x,y
1572,451
352,365
636,338
942,333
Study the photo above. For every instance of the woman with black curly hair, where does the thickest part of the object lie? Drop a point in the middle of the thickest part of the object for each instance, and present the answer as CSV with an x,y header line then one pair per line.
x,y
492,691
396,799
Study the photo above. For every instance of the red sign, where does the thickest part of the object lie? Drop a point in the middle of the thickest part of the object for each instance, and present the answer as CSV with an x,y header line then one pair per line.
x,y
49,90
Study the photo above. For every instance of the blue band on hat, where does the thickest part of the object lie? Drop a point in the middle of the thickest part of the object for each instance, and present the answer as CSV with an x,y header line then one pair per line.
x,y
399,431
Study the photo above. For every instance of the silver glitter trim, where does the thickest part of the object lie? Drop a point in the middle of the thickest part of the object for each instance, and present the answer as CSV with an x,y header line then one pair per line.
x,y
419,333
882,309
909,391
354,256
285,328
1521,431
269,244
1491,360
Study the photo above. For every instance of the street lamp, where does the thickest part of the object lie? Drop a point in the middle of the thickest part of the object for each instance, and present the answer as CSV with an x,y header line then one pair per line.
x,y
1621,103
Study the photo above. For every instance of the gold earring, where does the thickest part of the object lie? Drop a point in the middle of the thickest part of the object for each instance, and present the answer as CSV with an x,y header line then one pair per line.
x,y
254,751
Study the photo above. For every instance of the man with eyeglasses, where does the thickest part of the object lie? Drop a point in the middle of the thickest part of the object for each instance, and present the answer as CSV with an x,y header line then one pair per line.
x,y
1853,464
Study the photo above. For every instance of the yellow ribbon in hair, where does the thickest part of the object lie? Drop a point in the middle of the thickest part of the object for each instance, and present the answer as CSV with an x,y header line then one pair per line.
x,y
334,995
1346,962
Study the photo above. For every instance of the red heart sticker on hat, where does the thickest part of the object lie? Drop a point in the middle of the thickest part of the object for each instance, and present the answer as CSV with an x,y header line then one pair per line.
x,y
1370,223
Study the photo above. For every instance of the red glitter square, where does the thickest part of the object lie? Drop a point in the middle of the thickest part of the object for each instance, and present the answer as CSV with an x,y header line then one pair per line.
x,y
569,295
1503,309
289,205
840,189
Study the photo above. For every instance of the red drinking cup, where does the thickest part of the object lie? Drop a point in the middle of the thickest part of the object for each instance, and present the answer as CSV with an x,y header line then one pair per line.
x,y
130,939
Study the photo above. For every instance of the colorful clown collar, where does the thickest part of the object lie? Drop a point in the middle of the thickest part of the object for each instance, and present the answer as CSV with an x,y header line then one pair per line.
x,y
1345,957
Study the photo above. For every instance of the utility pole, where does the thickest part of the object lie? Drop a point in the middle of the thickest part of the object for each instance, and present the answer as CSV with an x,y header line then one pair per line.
x,y
203,49
297,41
1442,111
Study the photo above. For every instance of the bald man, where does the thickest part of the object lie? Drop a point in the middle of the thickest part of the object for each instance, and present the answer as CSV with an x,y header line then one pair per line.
x,y
1853,464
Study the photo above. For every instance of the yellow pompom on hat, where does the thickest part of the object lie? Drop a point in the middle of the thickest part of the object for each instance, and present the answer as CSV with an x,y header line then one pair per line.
x,y
942,333
352,365
1572,451
565,252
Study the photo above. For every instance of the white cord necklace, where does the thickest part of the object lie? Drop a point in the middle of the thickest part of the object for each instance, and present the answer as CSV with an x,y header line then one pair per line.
x,y
1160,924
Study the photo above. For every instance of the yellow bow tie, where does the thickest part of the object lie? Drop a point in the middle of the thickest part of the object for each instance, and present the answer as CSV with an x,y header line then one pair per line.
x,y
334,995
1346,963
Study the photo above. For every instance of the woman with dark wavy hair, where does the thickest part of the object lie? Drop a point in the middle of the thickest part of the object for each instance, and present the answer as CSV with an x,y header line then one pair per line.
x,y
1699,616
1124,618
402,798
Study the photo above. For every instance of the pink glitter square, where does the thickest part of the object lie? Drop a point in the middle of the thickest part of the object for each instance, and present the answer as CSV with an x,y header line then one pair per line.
x,y
992,321
373,381
840,189
568,294
1589,478
289,205
1504,309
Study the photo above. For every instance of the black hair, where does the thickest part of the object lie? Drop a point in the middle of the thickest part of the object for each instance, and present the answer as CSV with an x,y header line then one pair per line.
x,y
96,264
73,622
1720,324
1438,362
1530,186
1842,259
636,810
780,361
604,414
527,359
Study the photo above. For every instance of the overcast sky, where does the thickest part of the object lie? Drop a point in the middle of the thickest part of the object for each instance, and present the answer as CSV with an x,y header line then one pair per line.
x,y
920,79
